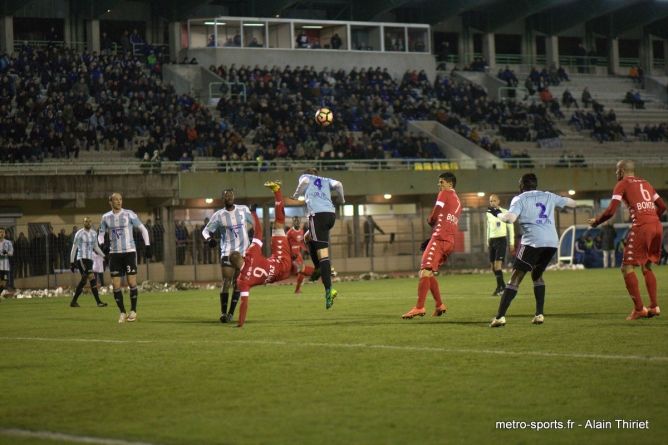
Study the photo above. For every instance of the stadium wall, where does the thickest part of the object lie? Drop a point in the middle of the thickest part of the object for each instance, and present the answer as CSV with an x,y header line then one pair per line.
x,y
411,182
397,64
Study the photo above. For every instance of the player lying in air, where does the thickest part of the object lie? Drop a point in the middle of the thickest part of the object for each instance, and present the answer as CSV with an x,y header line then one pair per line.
x,y
255,268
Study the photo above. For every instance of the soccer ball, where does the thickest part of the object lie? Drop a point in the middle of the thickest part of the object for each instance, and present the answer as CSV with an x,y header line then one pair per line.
x,y
324,116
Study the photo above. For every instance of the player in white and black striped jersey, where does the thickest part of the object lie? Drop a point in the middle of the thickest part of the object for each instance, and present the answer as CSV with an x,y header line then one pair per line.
x,y
233,221
81,257
6,250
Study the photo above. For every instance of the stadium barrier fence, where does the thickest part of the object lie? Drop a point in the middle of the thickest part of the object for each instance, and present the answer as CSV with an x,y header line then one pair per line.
x,y
42,250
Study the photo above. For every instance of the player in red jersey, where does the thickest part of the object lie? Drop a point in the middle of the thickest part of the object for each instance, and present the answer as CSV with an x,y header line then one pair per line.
x,y
255,269
643,245
443,219
296,239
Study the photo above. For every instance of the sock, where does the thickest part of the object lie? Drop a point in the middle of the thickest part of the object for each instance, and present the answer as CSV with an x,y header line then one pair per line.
x,y
632,286
257,227
539,293
134,292
300,280
93,289
326,273
508,294
499,278
435,292
78,291
423,287
118,296
650,283
314,254
223,301
235,300
242,311
279,210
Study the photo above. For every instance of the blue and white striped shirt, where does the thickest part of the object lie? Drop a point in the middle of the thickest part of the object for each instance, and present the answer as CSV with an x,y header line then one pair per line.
x,y
233,229
84,243
317,193
4,259
120,230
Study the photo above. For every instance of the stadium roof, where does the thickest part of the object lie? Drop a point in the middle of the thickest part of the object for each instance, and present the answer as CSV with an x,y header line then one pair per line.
x,y
606,17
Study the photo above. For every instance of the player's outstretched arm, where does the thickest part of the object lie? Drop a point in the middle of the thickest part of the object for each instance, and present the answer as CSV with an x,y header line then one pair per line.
x,y
508,217
606,215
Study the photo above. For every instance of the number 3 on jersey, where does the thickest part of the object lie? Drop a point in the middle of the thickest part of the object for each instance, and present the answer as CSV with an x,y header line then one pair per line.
x,y
318,183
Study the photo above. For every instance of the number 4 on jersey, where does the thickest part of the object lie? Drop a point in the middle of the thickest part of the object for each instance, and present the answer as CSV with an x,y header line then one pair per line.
x,y
318,183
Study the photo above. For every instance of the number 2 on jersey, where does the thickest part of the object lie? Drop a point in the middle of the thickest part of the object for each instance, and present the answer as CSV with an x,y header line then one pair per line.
x,y
318,183
542,214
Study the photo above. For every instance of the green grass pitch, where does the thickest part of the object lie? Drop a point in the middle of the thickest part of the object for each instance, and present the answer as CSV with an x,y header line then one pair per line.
x,y
355,374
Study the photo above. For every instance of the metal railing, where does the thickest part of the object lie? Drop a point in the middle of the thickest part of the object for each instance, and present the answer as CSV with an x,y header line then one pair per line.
x,y
576,61
659,63
511,59
199,165
628,62
231,87
44,43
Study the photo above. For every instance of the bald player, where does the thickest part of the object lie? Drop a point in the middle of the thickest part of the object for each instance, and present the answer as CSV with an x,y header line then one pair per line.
x,y
497,231
643,245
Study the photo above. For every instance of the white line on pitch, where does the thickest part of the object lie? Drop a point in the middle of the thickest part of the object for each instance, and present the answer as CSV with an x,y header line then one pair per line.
x,y
67,437
91,340
365,346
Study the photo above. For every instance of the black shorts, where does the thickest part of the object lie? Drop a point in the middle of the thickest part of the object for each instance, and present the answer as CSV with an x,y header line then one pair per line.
x,y
319,226
4,275
85,266
497,249
123,264
225,261
533,259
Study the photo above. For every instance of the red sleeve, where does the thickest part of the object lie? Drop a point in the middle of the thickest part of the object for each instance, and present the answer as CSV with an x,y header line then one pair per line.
x,y
609,212
617,194
619,189
440,202
660,207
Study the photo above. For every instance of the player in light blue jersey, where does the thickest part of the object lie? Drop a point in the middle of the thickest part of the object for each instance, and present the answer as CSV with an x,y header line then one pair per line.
x,y
122,251
317,192
535,212
81,256
233,222
6,250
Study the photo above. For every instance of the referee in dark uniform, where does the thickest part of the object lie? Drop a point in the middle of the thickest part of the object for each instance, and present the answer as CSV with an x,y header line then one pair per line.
x,y
497,231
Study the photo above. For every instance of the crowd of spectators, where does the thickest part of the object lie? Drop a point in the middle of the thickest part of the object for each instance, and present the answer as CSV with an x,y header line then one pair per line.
x,y
56,102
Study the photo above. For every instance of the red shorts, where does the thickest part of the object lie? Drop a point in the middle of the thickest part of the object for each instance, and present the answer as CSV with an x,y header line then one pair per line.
x,y
436,253
643,244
